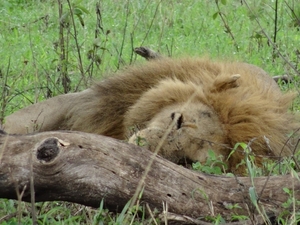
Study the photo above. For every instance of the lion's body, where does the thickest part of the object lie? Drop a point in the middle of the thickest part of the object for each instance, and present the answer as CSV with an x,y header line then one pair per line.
x,y
219,103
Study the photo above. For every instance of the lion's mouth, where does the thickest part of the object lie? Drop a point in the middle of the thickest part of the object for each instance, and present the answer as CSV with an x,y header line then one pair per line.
x,y
189,125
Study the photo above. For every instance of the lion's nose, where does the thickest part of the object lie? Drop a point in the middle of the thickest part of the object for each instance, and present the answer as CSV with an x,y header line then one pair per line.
x,y
178,117
180,122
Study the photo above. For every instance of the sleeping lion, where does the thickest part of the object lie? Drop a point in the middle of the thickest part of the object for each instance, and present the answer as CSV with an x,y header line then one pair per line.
x,y
196,104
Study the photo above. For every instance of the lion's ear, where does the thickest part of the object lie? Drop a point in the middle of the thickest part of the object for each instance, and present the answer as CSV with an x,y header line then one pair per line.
x,y
223,83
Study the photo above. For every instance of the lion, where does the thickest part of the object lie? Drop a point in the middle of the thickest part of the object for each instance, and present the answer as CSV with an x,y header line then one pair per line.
x,y
196,104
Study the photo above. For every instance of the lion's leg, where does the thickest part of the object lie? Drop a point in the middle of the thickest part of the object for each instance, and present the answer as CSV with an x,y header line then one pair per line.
x,y
43,116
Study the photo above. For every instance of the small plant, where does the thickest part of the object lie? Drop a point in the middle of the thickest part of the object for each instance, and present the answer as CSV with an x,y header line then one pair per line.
x,y
289,215
213,164
140,141
216,220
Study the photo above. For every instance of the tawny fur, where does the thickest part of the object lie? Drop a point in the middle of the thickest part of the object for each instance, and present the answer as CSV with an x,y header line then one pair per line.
x,y
237,102
104,114
251,107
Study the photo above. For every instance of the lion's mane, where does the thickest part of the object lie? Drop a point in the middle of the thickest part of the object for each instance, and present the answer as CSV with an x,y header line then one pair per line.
x,y
246,100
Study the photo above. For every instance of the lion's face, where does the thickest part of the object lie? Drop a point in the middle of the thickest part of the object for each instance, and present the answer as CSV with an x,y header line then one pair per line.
x,y
189,131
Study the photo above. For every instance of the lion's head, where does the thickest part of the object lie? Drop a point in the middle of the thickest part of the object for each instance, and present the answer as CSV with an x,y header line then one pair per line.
x,y
186,119
179,122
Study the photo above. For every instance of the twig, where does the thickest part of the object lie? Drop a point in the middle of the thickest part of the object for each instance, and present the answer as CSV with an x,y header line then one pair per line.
x,y
7,217
293,13
275,28
151,23
275,21
76,42
124,34
151,214
32,193
228,30
63,53
5,93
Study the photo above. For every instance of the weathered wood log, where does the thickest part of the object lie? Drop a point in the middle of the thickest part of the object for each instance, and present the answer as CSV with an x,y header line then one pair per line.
x,y
86,168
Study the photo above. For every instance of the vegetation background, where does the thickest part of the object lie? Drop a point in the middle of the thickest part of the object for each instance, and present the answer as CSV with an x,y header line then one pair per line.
x,y
50,47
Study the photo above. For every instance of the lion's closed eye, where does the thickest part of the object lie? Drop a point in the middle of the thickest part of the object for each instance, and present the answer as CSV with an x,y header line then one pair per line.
x,y
205,113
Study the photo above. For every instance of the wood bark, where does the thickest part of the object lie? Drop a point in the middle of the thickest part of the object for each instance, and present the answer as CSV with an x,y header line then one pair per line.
x,y
86,168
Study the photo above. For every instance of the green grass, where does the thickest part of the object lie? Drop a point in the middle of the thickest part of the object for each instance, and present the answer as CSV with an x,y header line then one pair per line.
x,y
30,56
29,38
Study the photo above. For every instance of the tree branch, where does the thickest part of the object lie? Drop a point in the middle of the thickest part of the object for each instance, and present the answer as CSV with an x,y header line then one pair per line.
x,y
86,168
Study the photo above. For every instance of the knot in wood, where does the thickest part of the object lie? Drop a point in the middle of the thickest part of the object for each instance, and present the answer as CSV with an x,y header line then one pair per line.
x,y
48,150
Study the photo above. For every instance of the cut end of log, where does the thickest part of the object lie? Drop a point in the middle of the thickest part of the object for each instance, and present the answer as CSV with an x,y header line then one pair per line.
x,y
48,150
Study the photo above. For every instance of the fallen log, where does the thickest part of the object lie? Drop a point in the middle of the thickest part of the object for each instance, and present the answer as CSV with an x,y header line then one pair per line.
x,y
86,168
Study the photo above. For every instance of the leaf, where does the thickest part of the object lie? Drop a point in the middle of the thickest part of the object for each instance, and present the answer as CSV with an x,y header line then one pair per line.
x,y
207,169
196,166
239,144
212,155
65,19
294,174
83,9
80,20
77,11
121,217
97,42
101,205
223,2
215,15
286,190
243,145
253,195
217,170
